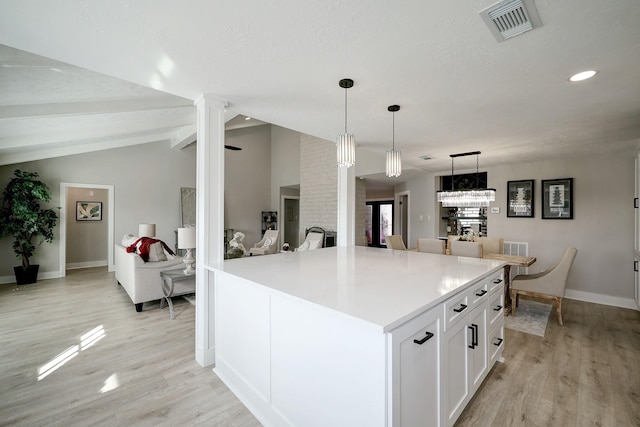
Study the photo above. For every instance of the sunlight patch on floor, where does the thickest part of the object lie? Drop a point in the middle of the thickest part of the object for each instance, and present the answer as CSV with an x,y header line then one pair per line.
x,y
86,340
110,383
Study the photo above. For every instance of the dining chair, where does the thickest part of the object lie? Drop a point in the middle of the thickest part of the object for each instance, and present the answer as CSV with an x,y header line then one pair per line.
x,y
491,245
434,246
395,241
548,284
465,248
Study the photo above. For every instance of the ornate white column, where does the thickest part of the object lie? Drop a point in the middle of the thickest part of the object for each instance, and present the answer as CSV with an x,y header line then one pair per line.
x,y
209,219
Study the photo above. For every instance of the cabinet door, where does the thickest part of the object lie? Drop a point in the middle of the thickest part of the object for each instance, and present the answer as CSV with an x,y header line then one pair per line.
x,y
455,373
416,380
636,275
478,353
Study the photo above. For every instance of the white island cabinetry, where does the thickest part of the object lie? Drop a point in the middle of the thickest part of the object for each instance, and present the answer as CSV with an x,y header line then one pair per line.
x,y
353,336
415,357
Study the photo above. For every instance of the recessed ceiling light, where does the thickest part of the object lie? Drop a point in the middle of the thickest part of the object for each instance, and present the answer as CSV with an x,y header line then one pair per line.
x,y
584,75
247,118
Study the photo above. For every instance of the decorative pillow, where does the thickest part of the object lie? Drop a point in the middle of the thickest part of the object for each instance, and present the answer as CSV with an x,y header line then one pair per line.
x,y
156,252
267,243
129,239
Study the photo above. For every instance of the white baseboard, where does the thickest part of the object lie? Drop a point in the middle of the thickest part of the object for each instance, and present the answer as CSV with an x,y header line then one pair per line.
x,y
87,264
41,276
601,299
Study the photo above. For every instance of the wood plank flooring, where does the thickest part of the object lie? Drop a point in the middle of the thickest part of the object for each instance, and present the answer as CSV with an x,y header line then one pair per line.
x,y
585,373
143,372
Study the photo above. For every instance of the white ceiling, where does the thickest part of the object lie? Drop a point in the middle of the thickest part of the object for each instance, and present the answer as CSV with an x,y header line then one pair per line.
x,y
280,62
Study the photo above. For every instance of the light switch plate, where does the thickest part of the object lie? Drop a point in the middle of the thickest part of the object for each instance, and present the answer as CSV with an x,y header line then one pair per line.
x,y
495,209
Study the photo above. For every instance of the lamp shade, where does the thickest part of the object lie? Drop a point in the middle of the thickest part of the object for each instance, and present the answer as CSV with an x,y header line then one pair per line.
x,y
146,230
187,238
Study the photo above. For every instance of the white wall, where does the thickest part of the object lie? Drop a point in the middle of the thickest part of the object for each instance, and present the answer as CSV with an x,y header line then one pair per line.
x,y
247,181
602,228
285,162
423,219
147,180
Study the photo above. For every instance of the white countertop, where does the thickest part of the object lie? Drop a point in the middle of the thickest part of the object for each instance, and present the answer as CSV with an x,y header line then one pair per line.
x,y
379,286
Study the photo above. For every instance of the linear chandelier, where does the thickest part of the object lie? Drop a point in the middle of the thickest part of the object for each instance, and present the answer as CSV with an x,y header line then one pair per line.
x,y
394,160
346,144
477,197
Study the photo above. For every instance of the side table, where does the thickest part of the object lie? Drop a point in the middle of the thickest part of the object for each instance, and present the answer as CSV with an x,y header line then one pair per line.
x,y
174,283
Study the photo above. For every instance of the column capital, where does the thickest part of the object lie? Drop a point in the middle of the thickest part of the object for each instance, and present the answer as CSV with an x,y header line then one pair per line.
x,y
210,100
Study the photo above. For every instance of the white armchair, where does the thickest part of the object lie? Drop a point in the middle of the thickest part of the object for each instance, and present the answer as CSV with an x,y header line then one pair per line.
x,y
312,241
268,244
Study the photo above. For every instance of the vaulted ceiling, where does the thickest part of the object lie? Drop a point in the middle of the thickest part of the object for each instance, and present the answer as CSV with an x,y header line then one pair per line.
x,y
77,76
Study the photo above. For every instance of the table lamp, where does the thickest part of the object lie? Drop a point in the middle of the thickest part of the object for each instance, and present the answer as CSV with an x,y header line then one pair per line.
x,y
146,230
187,240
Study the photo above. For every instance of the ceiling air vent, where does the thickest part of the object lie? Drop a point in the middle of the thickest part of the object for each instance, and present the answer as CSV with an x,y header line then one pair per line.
x,y
511,18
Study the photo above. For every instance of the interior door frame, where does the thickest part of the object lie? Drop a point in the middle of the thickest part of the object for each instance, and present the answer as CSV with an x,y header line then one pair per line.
x,y
63,223
283,219
398,223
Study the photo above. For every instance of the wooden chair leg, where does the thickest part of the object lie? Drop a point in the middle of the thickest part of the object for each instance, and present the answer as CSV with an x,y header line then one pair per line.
x,y
559,310
514,304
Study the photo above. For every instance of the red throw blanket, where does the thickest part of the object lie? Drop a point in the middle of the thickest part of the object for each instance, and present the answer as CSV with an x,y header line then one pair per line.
x,y
143,250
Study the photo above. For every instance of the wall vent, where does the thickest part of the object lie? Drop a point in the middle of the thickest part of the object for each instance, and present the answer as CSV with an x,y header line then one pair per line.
x,y
511,18
519,249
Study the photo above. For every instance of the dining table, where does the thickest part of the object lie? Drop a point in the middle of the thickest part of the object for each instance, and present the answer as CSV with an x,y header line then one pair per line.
x,y
510,260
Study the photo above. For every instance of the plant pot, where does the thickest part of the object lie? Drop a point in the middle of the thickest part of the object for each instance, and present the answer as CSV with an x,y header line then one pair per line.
x,y
26,276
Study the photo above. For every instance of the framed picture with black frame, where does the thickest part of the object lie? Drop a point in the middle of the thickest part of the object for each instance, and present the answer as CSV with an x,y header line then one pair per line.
x,y
557,198
88,211
520,199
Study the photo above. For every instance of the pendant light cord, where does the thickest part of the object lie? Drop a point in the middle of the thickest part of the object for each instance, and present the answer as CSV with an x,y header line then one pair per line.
x,y
477,173
452,178
393,126
345,111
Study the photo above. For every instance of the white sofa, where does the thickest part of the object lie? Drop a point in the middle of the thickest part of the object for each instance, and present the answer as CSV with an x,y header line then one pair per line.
x,y
142,279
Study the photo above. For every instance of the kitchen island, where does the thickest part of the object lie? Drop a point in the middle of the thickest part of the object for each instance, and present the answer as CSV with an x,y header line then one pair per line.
x,y
357,336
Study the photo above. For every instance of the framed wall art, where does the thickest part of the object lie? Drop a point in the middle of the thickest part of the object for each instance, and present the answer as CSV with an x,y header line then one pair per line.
x,y
520,199
557,198
88,211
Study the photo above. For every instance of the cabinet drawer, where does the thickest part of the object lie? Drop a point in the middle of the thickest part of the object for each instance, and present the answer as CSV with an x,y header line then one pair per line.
x,y
495,311
495,344
479,292
496,282
456,308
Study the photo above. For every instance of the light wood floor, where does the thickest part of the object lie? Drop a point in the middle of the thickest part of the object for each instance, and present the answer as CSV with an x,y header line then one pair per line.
x,y
149,356
585,373
143,372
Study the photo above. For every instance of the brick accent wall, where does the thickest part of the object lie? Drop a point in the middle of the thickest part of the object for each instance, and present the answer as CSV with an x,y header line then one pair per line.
x,y
318,184
361,212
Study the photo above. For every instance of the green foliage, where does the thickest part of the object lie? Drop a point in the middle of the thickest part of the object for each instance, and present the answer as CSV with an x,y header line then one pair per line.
x,y
21,216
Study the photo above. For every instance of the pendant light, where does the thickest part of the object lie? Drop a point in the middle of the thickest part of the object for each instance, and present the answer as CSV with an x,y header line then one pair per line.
x,y
477,197
346,145
394,161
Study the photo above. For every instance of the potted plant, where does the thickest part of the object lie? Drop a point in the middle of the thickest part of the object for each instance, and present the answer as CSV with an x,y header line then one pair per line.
x,y
22,218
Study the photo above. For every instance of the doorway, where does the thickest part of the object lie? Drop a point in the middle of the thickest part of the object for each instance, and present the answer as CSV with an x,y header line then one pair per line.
x,y
378,222
69,215
291,229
